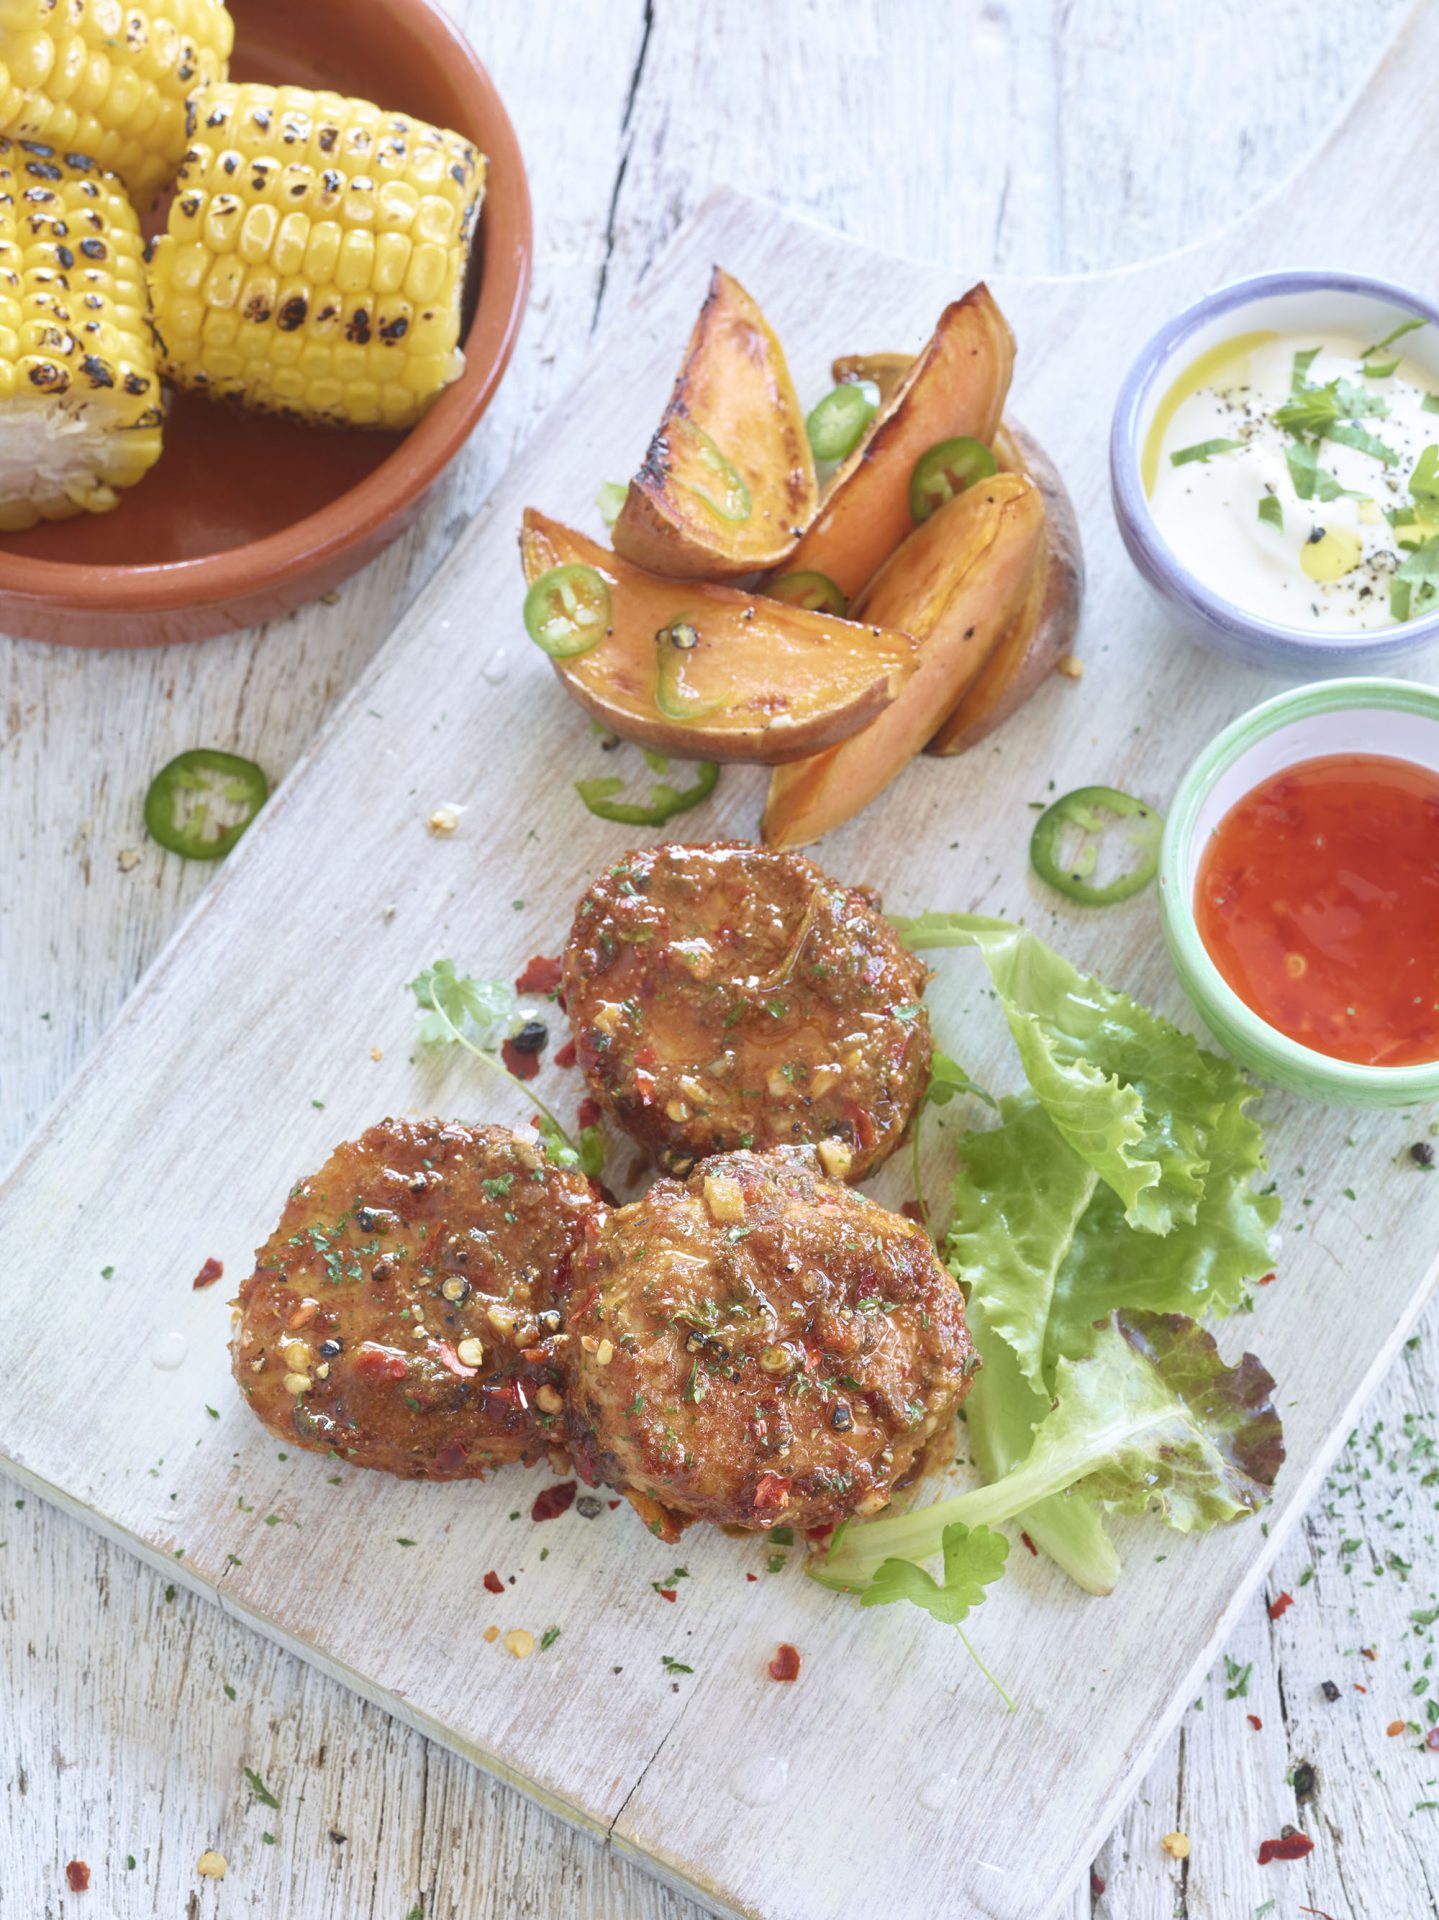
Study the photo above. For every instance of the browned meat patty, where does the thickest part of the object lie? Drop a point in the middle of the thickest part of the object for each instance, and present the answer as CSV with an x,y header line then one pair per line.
x,y
727,996
402,1311
759,1345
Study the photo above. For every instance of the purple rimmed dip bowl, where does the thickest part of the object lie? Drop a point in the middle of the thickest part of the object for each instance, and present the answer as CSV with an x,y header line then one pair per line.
x,y
1284,303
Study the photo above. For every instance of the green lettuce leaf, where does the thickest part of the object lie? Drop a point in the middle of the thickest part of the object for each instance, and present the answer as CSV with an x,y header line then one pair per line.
x,y
1149,1420
1001,1414
1135,1097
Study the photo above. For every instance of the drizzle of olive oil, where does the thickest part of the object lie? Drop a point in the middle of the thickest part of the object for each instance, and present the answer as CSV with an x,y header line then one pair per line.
x,y
1228,357
1331,552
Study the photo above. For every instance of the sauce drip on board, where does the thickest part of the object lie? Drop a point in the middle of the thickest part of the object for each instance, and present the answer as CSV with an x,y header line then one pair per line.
x,y
1318,901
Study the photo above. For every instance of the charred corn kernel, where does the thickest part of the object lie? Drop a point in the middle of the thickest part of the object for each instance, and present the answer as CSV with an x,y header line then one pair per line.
x,y
81,411
337,235
110,80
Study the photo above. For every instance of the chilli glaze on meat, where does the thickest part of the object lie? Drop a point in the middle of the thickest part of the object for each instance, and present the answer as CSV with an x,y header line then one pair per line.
x,y
758,1345
402,1313
729,997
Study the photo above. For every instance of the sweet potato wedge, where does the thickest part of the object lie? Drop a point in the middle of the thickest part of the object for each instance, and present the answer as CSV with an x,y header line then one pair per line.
x,y
955,584
728,484
768,681
957,385
1042,631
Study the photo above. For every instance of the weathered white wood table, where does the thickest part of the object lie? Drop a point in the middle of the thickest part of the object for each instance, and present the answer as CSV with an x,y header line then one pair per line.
x,y
1048,138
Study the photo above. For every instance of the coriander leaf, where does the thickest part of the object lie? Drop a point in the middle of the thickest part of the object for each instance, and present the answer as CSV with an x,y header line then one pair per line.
x,y
459,999
1349,434
1415,580
947,1078
1271,510
1310,479
974,1558
1379,369
1424,481
457,1008
1149,1420
1203,450
1405,326
1299,378
1430,403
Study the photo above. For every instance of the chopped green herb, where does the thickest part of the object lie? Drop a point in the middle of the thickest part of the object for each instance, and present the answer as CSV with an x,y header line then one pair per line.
x,y
261,1792
548,1638
1203,450
671,1665
1272,511
1405,326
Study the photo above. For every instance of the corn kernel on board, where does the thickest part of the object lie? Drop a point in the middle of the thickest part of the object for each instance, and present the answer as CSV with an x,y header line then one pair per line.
x,y
890,1765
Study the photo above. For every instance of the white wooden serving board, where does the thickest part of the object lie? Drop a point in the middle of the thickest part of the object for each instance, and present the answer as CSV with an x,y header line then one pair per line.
x,y
889,1777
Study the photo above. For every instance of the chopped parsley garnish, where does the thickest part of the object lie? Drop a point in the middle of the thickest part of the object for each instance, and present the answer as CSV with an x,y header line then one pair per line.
x,y
671,1665
548,1638
261,1792
1271,511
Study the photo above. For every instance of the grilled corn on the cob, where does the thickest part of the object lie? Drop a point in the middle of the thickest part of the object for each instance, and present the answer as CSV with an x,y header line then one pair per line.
x,y
315,258
81,411
110,80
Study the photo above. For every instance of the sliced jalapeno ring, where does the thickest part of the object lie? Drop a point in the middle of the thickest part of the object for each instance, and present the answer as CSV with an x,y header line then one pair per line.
x,y
567,611
816,591
200,804
665,801
676,701
837,424
1064,847
948,468
725,490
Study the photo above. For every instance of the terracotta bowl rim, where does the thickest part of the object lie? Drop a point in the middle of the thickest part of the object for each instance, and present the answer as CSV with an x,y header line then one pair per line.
x,y
507,230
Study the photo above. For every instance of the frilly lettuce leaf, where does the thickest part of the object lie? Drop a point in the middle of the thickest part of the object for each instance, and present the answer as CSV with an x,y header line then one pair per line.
x,y
1150,1419
1137,1099
1001,1415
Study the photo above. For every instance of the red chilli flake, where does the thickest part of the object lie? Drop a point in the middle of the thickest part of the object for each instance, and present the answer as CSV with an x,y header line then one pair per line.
x,y
1289,1846
1030,1544
375,1363
565,1056
1267,1279
1255,1722
612,1504
1097,1887
78,1875
212,1271
1395,1728
785,1665
668,1593
554,1501
524,1066
453,1361
751,1576
541,975
1280,1604
493,1582
589,1113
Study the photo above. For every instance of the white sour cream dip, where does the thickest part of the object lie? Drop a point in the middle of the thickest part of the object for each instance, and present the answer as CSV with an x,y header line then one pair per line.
x,y
1289,474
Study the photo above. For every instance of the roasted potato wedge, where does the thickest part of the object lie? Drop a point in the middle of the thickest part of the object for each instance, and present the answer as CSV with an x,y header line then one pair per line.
x,y
882,370
956,386
728,484
1042,631
955,584
761,680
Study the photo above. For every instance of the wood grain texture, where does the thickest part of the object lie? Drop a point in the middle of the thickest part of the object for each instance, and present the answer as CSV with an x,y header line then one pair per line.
x,y
92,733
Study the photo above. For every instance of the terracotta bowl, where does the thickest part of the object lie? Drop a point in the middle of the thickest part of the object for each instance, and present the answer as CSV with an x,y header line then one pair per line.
x,y
245,519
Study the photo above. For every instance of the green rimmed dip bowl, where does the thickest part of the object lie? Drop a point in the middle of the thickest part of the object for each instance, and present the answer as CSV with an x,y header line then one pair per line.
x,y
1397,718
